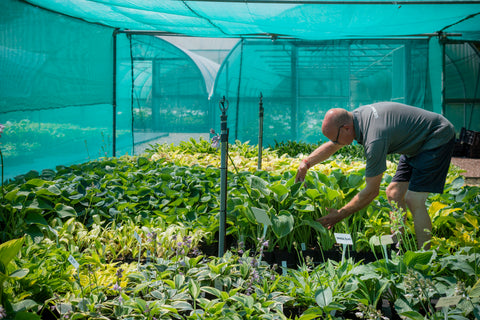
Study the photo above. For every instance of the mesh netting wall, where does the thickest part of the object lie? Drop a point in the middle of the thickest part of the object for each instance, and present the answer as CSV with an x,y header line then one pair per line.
x,y
55,90
462,85
300,81
170,90
57,87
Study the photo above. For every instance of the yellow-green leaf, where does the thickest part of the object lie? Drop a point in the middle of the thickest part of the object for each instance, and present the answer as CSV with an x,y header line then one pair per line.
x,y
9,250
472,220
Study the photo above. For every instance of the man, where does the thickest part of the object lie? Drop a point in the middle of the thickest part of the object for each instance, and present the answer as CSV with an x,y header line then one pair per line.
x,y
424,139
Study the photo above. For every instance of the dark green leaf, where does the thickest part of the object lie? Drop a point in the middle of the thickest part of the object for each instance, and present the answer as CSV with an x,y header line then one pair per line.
x,y
35,217
412,259
35,233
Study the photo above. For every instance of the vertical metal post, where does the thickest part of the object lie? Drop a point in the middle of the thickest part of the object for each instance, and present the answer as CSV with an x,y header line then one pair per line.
x,y
442,41
223,176
260,132
238,90
114,98
294,92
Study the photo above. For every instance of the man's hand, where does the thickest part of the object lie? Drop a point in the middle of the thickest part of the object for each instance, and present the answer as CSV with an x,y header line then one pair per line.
x,y
302,171
359,201
330,219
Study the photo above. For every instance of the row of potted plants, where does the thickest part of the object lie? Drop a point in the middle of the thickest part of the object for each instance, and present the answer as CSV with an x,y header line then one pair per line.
x,y
127,238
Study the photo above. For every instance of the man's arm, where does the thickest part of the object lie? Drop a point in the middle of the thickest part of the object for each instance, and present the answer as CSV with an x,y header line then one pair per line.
x,y
320,154
359,201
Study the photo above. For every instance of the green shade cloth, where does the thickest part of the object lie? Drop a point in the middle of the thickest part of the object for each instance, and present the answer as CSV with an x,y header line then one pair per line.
x,y
62,101
312,20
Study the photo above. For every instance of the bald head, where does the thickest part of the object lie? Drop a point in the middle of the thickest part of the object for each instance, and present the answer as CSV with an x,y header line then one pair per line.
x,y
335,119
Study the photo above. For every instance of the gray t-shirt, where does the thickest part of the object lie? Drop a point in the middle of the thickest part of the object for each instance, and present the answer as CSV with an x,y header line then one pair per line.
x,y
390,127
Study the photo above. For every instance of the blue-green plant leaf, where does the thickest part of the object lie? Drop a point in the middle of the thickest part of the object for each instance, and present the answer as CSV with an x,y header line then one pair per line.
x,y
261,216
19,274
24,305
259,184
282,224
324,297
65,211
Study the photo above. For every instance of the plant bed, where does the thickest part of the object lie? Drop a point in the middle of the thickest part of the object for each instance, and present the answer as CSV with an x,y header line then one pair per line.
x,y
109,209
317,256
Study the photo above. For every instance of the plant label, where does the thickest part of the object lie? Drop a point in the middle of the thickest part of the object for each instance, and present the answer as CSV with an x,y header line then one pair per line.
x,y
303,246
383,240
343,238
74,262
139,239
444,302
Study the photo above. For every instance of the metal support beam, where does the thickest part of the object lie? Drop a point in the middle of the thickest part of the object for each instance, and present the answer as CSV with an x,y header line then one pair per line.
x,y
114,97
223,176
294,93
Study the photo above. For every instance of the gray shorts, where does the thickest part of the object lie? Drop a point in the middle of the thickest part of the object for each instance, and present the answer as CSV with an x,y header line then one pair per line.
x,y
427,171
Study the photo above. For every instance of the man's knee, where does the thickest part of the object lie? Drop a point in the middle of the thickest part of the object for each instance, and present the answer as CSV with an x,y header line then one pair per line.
x,y
416,200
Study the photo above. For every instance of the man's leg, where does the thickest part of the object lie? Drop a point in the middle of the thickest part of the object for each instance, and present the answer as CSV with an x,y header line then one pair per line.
x,y
423,224
396,192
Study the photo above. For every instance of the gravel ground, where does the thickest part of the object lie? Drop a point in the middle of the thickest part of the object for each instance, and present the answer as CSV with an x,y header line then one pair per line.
x,y
471,167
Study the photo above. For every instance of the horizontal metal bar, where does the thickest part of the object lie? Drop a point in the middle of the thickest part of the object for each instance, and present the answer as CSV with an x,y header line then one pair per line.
x,y
351,2
463,100
151,33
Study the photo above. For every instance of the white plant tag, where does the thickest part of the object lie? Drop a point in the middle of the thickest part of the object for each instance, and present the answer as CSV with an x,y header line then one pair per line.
x,y
448,301
304,247
74,262
383,240
343,238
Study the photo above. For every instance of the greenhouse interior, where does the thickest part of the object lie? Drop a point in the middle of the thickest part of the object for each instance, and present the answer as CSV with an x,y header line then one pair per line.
x,y
93,88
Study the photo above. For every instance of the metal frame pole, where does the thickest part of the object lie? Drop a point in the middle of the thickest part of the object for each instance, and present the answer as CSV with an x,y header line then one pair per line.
x,y
223,176
114,92
260,132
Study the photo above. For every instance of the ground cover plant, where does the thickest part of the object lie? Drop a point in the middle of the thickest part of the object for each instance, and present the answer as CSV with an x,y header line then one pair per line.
x,y
129,238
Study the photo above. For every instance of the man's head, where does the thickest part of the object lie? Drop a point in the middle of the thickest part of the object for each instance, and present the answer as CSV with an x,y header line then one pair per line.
x,y
338,126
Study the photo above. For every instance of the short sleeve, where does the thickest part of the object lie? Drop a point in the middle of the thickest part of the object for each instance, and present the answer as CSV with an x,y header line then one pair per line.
x,y
376,154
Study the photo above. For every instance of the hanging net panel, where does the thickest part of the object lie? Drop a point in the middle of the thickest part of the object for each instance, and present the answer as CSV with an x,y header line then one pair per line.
x,y
169,97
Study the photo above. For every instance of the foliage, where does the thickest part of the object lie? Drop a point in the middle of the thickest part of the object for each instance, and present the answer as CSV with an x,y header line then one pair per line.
x,y
138,226
295,149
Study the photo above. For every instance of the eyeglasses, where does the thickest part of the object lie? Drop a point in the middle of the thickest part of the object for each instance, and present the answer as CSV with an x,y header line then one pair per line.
x,y
338,135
